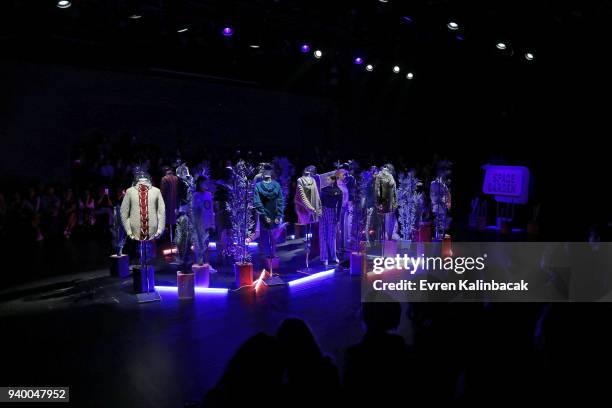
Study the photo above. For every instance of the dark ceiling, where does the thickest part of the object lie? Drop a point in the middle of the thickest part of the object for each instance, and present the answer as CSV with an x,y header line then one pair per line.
x,y
459,84
412,34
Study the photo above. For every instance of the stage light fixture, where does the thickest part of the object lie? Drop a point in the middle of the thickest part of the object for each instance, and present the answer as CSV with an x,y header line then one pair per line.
x,y
501,46
383,1
310,278
358,61
305,48
409,75
254,46
64,4
396,69
135,16
529,56
182,29
170,251
452,25
227,31
259,281
318,54
369,67
211,291
197,289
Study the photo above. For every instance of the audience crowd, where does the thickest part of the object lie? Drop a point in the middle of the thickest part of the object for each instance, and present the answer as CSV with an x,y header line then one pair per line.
x,y
466,353
476,354
101,169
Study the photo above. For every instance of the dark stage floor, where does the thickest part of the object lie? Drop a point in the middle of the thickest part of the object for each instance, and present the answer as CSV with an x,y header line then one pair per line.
x,y
88,331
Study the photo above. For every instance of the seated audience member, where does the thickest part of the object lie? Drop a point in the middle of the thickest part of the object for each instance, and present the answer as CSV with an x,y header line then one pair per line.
x,y
69,212
50,205
253,374
87,205
107,171
104,208
3,210
377,368
31,210
309,375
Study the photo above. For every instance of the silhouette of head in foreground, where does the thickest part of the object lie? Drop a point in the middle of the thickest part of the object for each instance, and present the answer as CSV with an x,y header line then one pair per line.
x,y
308,372
256,366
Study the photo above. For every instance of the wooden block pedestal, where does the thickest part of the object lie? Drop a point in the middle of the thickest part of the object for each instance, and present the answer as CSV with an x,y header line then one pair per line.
x,y
424,234
358,264
185,282
202,275
447,249
244,274
120,266
389,248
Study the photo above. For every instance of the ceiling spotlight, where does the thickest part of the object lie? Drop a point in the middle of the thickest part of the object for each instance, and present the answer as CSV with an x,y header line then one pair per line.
x,y
529,56
227,31
409,75
358,61
254,46
63,4
396,69
182,29
318,54
501,46
135,16
453,26
305,48
383,1
369,67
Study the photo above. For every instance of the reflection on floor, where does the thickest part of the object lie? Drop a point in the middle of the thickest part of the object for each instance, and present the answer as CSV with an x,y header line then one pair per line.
x,y
87,331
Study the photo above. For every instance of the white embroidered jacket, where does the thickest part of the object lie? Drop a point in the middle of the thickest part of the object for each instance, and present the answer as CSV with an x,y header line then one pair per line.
x,y
154,212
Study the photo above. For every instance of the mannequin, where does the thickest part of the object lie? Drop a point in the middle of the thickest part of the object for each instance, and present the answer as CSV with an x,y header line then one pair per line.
x,y
439,193
143,215
269,205
184,237
386,199
307,200
307,206
340,179
169,190
331,200
347,183
143,212
261,169
352,221
370,203
203,219
117,229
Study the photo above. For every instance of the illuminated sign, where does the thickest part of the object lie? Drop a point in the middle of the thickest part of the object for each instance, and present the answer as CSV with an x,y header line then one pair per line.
x,y
509,184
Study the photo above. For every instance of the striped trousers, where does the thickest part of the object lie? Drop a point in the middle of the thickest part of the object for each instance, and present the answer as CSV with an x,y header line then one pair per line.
x,y
328,226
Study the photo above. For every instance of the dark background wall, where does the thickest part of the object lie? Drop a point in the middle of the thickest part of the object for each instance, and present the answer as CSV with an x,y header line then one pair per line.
x,y
46,109
547,118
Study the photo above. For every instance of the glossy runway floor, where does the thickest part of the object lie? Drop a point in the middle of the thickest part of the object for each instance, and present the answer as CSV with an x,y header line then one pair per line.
x,y
87,331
